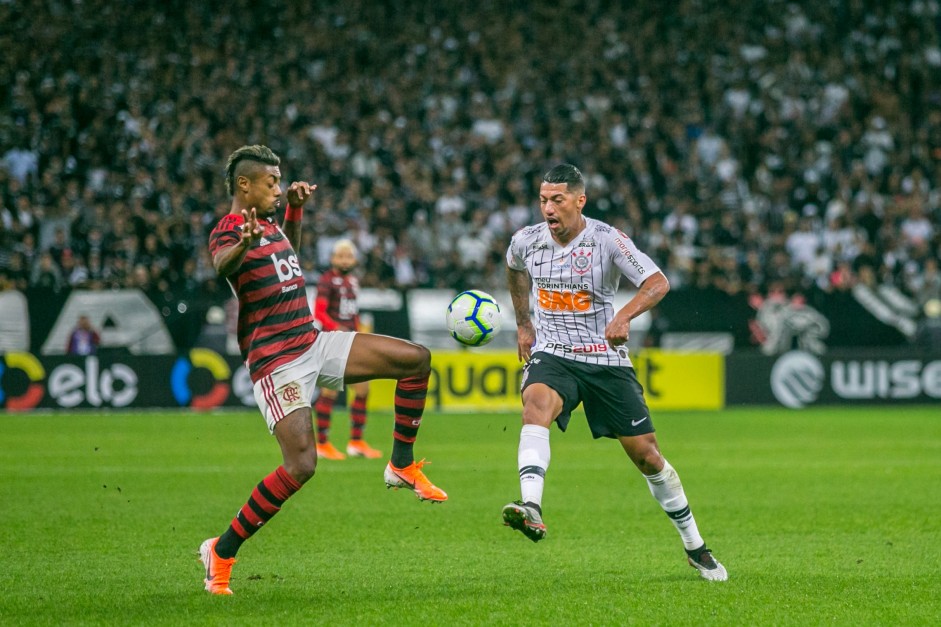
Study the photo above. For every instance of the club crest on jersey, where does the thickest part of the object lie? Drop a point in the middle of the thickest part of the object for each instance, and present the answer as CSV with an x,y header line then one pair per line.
x,y
581,261
291,393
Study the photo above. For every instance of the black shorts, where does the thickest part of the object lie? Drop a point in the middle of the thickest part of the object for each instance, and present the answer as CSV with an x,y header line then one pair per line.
x,y
612,395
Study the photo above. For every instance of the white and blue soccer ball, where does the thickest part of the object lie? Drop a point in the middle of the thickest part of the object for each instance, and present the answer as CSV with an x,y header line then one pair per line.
x,y
474,318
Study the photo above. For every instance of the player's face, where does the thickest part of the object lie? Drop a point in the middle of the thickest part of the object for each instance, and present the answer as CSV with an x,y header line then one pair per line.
x,y
264,190
343,260
561,209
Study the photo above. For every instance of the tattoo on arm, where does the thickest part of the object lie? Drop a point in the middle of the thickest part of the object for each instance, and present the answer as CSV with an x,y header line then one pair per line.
x,y
519,284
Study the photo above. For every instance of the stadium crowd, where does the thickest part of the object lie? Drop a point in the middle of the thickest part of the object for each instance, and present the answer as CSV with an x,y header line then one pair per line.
x,y
748,147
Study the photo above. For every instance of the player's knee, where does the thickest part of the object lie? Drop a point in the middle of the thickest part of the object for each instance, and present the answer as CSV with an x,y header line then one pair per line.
x,y
420,360
302,467
536,415
648,461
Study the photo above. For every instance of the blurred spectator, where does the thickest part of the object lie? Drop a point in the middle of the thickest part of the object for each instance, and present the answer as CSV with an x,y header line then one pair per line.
x,y
45,276
84,339
928,334
925,284
803,245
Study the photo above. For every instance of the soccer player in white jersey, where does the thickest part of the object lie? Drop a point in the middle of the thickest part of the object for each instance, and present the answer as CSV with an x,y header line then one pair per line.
x,y
575,351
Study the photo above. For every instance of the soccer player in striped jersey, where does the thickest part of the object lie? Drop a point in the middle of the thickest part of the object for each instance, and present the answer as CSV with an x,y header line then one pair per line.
x,y
336,308
287,358
575,350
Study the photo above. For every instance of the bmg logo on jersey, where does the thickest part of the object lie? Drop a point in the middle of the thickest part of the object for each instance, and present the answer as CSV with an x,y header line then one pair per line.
x,y
564,300
287,269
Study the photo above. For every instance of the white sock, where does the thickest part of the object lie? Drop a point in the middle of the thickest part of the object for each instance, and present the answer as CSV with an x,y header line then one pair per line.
x,y
667,489
533,459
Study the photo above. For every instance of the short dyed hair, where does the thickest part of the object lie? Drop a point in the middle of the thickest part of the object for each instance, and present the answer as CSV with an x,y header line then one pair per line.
x,y
244,162
345,244
568,174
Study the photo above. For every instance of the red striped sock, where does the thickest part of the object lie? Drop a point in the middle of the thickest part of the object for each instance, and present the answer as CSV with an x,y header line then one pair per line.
x,y
410,397
323,408
357,418
265,501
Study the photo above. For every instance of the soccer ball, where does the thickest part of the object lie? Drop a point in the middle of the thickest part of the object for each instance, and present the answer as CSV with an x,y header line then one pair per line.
x,y
474,318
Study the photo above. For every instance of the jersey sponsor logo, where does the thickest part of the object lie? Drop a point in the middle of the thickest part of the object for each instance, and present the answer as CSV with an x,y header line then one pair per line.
x,y
630,256
548,284
264,241
287,269
581,262
564,300
599,347
539,263
634,423
348,307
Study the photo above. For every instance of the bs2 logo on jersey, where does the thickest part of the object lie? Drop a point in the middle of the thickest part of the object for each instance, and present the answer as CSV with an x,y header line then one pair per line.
x,y
287,269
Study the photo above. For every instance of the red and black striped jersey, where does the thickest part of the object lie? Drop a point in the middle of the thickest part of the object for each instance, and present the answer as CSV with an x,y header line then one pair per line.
x,y
340,293
275,323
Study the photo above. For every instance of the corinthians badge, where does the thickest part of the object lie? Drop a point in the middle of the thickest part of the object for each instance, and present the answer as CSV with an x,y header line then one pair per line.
x,y
581,261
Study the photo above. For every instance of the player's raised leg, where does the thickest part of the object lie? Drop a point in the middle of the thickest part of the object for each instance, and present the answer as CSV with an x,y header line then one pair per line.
x,y
383,357
666,487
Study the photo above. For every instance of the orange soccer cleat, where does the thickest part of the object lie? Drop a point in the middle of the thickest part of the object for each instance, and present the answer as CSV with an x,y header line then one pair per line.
x,y
359,448
218,570
329,451
414,479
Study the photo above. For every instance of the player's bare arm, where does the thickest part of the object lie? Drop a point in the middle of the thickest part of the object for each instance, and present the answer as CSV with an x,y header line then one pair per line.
x,y
650,293
227,260
520,284
298,194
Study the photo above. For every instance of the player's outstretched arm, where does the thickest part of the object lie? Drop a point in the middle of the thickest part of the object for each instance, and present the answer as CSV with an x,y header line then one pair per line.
x,y
227,260
650,293
520,284
297,194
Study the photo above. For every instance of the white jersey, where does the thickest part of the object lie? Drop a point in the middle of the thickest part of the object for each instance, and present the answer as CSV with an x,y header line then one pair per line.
x,y
573,287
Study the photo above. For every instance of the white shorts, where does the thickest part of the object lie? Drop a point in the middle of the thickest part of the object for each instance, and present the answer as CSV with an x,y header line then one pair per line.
x,y
292,385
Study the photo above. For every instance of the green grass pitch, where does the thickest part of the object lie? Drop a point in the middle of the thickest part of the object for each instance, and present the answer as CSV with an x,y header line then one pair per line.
x,y
830,516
